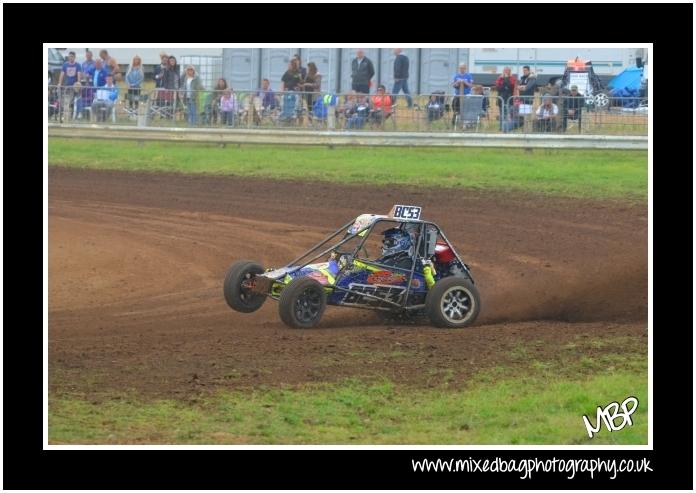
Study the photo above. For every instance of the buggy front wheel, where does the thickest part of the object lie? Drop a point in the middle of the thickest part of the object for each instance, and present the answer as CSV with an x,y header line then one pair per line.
x,y
237,296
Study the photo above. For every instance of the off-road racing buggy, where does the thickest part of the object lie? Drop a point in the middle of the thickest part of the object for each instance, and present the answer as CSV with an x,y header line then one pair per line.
x,y
408,269
580,73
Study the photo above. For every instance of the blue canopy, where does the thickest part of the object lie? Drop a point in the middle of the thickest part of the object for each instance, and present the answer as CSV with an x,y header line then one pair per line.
x,y
628,80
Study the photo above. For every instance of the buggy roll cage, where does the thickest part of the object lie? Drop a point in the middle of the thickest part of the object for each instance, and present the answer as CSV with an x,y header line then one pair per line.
x,y
364,233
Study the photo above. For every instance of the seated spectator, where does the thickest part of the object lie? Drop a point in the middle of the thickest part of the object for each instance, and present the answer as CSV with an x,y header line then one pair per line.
x,y
89,89
514,117
381,106
545,119
99,74
357,115
267,96
80,102
572,107
436,106
53,102
478,91
228,107
103,104
345,109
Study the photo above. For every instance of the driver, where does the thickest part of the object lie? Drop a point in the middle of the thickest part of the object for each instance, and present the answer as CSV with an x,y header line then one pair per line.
x,y
397,249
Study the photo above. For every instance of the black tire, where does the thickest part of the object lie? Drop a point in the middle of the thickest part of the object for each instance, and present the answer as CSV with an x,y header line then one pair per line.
x,y
302,303
453,302
238,298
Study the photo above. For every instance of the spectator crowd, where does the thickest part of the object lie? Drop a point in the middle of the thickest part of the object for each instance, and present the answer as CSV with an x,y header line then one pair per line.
x,y
89,90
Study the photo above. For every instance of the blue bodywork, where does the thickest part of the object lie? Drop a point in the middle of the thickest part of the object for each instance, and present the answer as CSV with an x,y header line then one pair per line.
x,y
385,282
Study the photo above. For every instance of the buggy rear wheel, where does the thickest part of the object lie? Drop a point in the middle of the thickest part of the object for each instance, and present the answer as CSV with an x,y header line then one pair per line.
x,y
453,302
302,303
237,296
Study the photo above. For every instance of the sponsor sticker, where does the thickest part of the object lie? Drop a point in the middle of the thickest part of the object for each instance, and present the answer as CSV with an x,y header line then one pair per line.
x,y
385,277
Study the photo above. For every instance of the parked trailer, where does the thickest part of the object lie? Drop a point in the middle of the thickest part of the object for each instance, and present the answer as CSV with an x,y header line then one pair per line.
x,y
486,64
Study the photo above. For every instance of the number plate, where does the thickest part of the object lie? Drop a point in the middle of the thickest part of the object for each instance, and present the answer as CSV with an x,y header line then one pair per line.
x,y
405,212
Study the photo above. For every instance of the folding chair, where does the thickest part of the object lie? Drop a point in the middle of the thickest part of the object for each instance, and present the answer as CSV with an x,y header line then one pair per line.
x,y
470,113
162,103
250,110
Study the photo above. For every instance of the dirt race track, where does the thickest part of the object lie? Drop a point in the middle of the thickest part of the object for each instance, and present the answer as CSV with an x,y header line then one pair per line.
x,y
136,263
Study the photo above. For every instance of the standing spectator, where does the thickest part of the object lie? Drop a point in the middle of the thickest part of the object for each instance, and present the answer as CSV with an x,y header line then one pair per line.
x,y
134,78
159,70
191,86
311,84
505,85
572,107
303,71
69,75
88,68
362,72
111,65
462,83
546,115
401,76
170,83
290,81
268,100
88,92
527,85
103,104
228,107
99,76
212,105
171,78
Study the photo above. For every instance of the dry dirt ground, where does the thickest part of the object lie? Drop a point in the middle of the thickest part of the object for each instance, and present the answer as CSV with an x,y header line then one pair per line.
x,y
137,260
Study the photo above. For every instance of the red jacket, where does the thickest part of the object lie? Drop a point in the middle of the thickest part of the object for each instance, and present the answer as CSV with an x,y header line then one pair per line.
x,y
382,103
506,88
